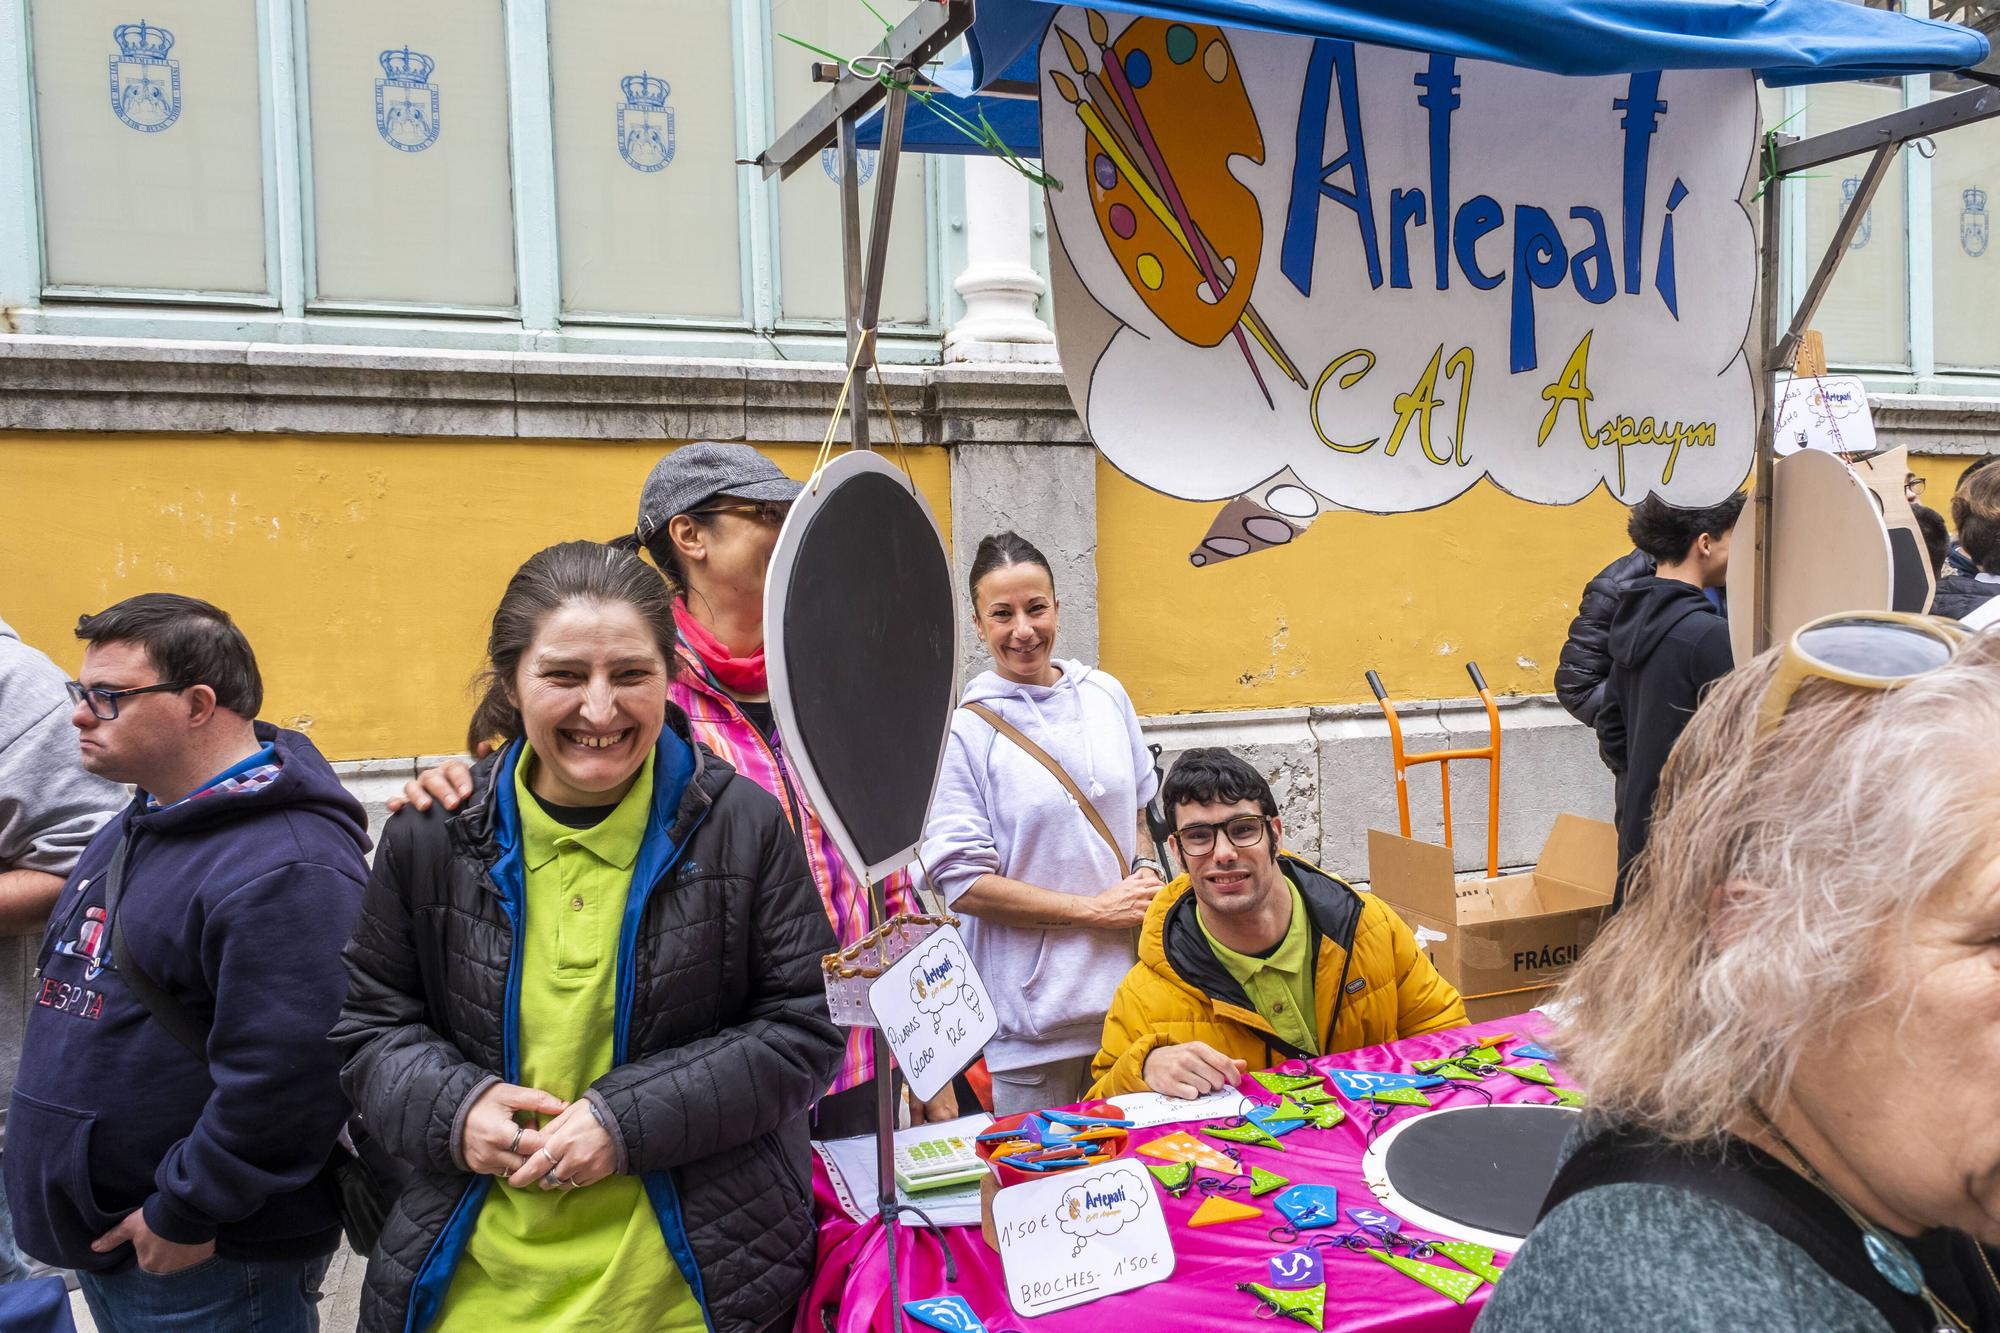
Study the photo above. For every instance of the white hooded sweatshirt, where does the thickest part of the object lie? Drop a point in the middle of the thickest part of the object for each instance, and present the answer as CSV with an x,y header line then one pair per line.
x,y
998,811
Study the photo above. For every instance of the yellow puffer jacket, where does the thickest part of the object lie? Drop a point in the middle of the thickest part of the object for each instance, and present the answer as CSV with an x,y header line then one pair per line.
x,y
1179,992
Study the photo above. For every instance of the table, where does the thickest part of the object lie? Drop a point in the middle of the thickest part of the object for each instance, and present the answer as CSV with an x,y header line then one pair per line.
x,y
850,1282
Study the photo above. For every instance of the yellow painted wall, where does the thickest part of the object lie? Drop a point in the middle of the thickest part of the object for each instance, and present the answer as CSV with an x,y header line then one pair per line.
x,y
1487,578
363,570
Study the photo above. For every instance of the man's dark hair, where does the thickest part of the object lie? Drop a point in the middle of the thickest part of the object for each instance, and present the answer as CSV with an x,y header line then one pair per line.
x,y
999,550
186,639
1214,776
1937,542
1668,533
1975,512
1973,469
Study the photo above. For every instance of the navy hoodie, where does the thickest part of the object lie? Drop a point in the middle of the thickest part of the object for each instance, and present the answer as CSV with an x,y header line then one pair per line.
x,y
237,904
1667,644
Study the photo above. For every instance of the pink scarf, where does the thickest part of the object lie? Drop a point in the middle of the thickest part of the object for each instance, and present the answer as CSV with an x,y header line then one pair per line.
x,y
738,675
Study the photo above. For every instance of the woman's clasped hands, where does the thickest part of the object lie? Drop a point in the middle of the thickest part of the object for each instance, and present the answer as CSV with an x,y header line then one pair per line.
x,y
572,1150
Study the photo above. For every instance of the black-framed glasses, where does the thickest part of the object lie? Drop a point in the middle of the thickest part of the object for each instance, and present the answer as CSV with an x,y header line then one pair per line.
x,y
771,513
1242,831
103,704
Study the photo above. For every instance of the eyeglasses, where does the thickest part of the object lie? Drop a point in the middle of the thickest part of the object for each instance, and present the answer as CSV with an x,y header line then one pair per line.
x,y
1243,831
1873,650
771,513
103,704
1913,485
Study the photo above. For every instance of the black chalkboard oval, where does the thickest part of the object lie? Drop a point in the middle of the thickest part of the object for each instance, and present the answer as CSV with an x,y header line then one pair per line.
x,y
862,646
1487,1167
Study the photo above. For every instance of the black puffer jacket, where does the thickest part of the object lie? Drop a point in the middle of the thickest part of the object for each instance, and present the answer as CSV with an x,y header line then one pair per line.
x,y
1959,595
726,1043
1585,663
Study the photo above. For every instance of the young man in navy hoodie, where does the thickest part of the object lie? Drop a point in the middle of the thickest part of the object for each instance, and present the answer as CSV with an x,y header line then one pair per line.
x,y
185,1188
1668,643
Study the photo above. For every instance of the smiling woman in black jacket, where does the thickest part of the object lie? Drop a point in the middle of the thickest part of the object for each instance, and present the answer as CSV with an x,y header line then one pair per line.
x,y
587,1007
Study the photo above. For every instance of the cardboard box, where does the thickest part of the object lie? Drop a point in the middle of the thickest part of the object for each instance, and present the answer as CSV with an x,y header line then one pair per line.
x,y
1506,941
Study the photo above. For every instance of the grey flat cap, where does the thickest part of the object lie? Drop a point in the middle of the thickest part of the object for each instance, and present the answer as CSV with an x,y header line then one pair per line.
x,y
697,472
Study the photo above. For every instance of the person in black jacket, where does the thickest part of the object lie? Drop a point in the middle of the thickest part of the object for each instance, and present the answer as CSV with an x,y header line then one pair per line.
x,y
182,1171
1975,512
586,1007
1668,642
1585,665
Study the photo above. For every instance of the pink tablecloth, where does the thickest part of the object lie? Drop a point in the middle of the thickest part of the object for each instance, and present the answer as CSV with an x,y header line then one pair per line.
x,y
1363,1294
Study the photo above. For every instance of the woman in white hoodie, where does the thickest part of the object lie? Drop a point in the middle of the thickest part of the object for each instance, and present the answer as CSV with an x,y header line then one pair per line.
x,y
1051,905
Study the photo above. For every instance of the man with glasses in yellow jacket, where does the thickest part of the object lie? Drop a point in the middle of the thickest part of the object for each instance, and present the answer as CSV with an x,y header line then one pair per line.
x,y
1255,956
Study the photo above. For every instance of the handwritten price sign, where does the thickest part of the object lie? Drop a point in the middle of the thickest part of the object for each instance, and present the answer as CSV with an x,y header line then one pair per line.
x,y
1080,1236
934,1010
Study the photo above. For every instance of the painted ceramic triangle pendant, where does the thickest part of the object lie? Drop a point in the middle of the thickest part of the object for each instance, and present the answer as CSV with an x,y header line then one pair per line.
x,y
1324,1117
1283,1083
1279,1120
1181,1146
1174,1177
949,1314
1530,1051
1317,1095
1216,1210
1532,1072
1569,1097
1248,1132
1472,1258
1263,1182
1450,1281
1400,1097
1307,1305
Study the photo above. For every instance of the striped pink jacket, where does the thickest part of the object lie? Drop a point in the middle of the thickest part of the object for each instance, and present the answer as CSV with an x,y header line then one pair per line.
x,y
720,725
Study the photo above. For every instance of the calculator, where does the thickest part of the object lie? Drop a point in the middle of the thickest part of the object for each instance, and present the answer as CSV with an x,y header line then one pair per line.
x,y
939,1163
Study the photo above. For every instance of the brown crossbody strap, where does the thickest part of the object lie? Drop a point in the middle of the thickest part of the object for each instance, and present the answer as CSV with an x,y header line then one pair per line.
x,y
1042,757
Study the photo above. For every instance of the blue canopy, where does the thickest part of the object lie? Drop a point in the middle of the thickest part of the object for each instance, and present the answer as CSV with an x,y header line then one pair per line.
x,y
1785,41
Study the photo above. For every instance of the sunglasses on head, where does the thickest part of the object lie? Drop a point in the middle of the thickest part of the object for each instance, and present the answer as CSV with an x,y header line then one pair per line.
x,y
1872,650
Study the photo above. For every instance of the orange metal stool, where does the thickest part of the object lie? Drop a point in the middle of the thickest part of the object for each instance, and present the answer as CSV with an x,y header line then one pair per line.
x,y
1442,758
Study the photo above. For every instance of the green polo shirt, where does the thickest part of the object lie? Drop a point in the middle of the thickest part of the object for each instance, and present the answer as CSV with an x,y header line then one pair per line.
x,y
592,1257
1280,986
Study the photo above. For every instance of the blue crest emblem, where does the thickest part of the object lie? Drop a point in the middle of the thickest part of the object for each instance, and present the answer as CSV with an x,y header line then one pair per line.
x,y
145,85
406,101
829,162
1867,228
645,123
1972,225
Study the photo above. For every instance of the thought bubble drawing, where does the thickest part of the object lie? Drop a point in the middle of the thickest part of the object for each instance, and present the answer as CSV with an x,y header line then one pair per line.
x,y
1320,275
1829,401
940,980
1100,1206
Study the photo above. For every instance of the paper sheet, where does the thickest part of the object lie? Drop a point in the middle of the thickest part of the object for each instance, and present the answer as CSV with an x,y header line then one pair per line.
x,y
851,1163
1147,1109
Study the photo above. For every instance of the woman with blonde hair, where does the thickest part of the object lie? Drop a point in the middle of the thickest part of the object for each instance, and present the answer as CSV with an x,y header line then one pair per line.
x,y
1789,1036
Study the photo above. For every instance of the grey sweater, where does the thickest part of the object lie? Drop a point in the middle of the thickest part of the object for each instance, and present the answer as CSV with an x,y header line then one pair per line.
x,y
49,808
1657,1259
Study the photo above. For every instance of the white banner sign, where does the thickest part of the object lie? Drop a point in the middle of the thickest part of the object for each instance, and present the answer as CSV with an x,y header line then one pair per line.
x,y
933,1009
1828,412
1080,1235
1341,275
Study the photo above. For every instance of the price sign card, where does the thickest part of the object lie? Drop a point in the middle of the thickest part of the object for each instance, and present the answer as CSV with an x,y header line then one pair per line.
x,y
1080,1235
934,1010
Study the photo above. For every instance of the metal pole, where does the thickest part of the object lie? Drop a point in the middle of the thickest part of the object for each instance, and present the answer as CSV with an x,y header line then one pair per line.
x,y
1836,249
850,262
1767,421
887,164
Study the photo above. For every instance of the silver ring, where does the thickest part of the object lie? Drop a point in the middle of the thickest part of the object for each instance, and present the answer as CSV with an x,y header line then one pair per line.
x,y
515,1146
554,1161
